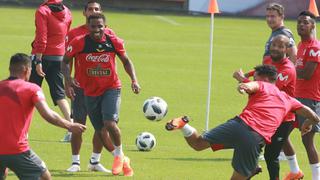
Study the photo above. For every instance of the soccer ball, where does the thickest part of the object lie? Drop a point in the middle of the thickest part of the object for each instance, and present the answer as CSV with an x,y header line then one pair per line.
x,y
155,108
145,141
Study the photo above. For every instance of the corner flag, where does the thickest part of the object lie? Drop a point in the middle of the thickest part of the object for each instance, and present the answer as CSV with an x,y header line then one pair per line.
x,y
313,8
212,9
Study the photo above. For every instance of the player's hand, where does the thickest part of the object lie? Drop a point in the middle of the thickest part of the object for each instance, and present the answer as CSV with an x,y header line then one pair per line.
x,y
39,70
135,87
306,127
69,91
242,88
75,83
239,75
77,128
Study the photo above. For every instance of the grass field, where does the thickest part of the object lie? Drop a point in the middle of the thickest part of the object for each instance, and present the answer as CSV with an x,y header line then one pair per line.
x,y
170,54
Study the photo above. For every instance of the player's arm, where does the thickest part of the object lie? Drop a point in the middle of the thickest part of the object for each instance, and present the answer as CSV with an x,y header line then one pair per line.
x,y
308,70
55,119
68,80
292,53
249,88
311,118
129,68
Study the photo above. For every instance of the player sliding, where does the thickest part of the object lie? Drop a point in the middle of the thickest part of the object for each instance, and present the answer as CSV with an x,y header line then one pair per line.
x,y
247,133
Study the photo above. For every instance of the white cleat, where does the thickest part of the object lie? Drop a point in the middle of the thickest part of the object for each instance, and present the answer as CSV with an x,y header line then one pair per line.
x,y
282,156
74,168
67,137
98,167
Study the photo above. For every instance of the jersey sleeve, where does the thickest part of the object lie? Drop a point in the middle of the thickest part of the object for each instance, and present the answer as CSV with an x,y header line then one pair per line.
x,y
37,95
289,34
313,54
295,104
74,47
118,45
40,42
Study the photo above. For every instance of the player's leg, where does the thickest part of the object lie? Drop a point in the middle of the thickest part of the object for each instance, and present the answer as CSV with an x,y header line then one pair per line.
x,y
54,79
272,150
28,165
237,176
110,111
308,139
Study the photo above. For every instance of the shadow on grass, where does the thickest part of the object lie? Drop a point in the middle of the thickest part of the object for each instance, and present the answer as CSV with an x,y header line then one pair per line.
x,y
63,173
195,159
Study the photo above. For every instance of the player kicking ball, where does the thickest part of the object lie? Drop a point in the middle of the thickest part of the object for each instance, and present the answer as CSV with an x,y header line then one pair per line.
x,y
248,132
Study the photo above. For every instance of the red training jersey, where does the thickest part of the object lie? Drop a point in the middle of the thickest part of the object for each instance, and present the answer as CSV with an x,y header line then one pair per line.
x,y
267,108
308,51
286,79
81,31
51,29
96,62
18,99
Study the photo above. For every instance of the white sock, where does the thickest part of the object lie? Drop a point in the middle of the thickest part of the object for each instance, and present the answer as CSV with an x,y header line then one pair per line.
x,y
76,159
118,151
293,163
187,130
315,168
95,157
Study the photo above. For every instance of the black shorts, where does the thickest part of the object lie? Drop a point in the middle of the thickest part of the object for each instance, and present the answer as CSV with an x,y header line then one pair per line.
x,y
78,107
54,77
247,144
315,106
26,165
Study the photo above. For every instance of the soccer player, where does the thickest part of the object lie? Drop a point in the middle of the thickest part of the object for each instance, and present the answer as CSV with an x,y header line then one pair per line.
x,y
247,132
275,21
95,52
18,99
79,111
308,84
52,20
286,81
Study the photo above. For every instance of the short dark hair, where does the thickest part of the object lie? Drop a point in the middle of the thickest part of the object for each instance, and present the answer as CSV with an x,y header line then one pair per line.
x,y
97,16
268,71
276,7
18,61
90,2
310,14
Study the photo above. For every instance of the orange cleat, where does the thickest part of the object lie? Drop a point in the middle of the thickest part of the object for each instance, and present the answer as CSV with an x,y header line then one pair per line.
x,y
177,123
127,170
294,176
117,165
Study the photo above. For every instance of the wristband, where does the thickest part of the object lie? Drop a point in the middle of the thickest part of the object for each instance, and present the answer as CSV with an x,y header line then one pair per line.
x,y
133,81
37,61
246,80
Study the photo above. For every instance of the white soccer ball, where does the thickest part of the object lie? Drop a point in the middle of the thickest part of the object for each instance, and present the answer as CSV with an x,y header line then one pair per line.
x,y
145,141
155,108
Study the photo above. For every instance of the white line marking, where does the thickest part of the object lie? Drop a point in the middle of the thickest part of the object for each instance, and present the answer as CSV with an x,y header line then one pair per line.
x,y
170,21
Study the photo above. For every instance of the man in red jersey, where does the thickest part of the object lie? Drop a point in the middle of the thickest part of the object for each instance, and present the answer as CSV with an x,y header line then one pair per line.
x,y
286,81
95,53
308,83
18,99
52,20
247,132
78,109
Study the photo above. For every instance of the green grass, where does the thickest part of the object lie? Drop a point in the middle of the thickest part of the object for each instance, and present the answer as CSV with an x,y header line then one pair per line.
x,y
171,62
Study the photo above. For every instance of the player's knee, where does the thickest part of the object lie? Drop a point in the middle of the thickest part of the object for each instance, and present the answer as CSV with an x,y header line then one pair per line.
x,y
46,175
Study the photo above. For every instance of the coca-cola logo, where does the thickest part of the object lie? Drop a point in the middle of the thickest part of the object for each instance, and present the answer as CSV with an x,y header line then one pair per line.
x,y
98,58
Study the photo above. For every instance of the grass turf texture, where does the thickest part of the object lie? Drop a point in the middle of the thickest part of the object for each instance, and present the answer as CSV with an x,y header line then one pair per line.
x,y
171,61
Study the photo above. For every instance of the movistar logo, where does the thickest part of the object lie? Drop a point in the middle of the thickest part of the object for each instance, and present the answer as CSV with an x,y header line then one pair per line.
x,y
282,78
314,53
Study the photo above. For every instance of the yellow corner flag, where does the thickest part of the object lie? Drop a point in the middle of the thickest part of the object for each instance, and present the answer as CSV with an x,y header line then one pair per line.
x,y
213,7
313,8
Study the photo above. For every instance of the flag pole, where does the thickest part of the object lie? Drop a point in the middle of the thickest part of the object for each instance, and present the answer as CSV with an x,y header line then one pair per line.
x,y
210,72
314,9
213,8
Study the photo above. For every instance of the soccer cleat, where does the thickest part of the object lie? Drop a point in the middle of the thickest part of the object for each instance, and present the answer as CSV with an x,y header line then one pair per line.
x,y
97,167
255,172
294,176
67,137
117,165
127,169
177,123
74,168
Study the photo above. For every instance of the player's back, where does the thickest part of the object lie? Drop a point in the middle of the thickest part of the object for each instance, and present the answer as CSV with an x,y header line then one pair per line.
x,y
17,99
